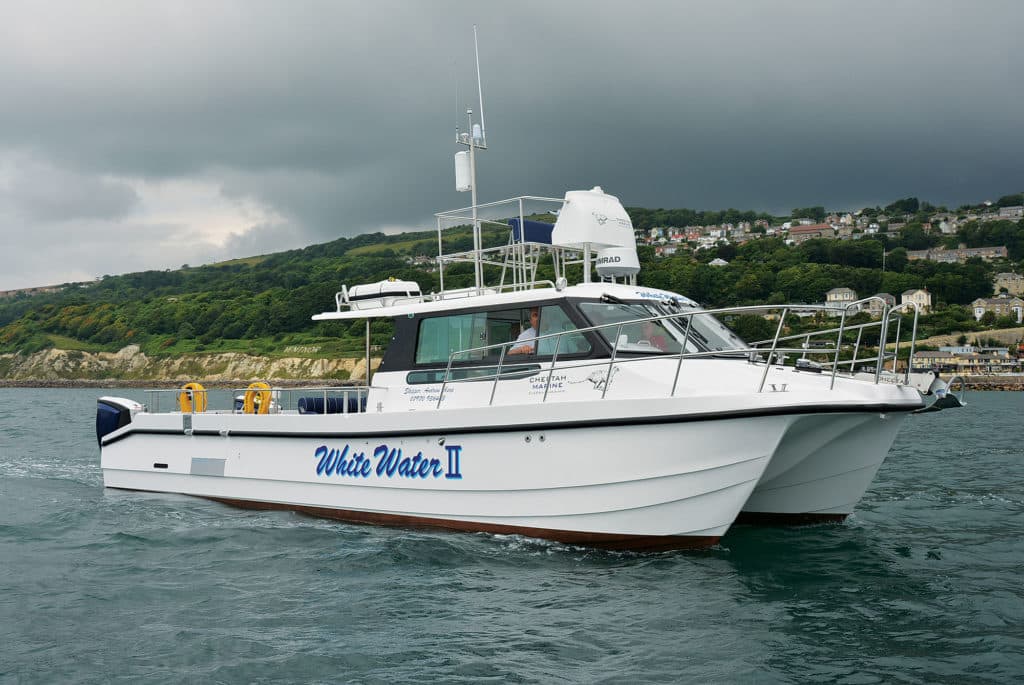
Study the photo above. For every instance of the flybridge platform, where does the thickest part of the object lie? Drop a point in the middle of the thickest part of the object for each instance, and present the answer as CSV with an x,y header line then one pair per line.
x,y
592,230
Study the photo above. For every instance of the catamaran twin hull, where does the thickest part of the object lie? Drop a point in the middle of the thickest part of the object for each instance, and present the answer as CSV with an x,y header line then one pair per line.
x,y
822,467
664,480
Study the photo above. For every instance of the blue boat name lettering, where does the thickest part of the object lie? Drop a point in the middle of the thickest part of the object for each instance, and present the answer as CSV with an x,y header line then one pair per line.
x,y
391,463
338,462
454,452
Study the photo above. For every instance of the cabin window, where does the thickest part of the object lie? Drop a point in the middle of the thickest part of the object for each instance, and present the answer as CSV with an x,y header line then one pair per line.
x,y
702,332
441,336
554,320
631,336
483,335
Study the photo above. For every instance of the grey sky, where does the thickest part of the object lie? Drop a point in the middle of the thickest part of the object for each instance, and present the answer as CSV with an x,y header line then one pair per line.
x,y
139,135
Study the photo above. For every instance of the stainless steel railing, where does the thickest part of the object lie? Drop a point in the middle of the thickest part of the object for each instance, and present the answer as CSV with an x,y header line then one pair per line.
x,y
282,398
764,351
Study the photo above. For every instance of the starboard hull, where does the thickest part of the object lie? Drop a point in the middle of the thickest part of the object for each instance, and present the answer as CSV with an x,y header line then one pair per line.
x,y
822,468
619,486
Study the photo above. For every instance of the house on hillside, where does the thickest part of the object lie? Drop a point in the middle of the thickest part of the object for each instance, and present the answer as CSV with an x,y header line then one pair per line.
x,y
799,234
31,291
1012,282
961,254
978,361
919,296
875,307
839,298
1004,305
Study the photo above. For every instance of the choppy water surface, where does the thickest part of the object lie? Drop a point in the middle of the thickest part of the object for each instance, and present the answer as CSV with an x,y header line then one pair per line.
x,y
923,585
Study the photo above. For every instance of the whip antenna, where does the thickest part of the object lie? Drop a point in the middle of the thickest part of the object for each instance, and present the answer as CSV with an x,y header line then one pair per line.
x,y
465,163
479,89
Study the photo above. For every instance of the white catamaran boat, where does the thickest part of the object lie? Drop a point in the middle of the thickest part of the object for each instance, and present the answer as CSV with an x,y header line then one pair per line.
x,y
601,413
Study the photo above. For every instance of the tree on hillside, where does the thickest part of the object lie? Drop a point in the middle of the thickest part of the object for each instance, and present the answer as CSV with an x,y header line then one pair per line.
x,y
815,213
913,237
908,205
726,251
896,260
1011,200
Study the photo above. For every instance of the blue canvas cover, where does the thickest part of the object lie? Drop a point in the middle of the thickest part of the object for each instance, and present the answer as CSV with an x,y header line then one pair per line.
x,y
536,231
333,405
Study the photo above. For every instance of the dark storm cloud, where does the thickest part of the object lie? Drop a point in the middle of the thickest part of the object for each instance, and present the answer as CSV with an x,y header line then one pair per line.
x,y
44,194
335,118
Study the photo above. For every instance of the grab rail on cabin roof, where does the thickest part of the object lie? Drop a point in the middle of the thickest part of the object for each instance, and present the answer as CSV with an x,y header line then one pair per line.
x,y
752,350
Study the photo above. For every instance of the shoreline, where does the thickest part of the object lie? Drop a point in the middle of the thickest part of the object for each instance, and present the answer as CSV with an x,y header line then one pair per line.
x,y
975,383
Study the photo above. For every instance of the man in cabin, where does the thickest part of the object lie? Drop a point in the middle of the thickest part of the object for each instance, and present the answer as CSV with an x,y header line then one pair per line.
x,y
653,335
526,343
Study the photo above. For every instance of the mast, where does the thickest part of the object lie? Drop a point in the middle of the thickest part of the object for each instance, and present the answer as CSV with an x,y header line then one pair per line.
x,y
474,140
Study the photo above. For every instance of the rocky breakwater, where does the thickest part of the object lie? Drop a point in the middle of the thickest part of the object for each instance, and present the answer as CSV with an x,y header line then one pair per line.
x,y
130,365
1005,382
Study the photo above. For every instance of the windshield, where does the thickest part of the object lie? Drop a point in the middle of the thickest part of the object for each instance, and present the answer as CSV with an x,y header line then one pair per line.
x,y
706,333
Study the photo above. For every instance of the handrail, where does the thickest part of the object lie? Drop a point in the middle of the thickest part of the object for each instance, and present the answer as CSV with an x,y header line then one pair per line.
x,y
856,348
551,371
839,345
155,394
682,346
896,346
456,213
751,350
775,343
611,360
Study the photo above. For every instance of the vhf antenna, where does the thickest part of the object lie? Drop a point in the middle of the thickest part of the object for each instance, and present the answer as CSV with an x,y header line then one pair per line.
x,y
479,91
465,161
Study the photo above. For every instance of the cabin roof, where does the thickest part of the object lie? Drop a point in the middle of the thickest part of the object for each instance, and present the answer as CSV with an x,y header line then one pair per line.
x,y
471,300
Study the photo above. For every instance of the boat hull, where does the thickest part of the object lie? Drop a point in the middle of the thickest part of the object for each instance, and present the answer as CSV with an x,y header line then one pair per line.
x,y
822,468
620,486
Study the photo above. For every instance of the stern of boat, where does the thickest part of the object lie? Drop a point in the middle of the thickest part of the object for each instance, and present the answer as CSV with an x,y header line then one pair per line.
x,y
114,413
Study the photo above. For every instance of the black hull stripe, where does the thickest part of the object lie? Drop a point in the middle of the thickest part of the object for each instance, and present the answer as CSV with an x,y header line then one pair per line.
x,y
554,425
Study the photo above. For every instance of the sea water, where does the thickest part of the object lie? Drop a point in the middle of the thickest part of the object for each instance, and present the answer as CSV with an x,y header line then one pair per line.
x,y
924,584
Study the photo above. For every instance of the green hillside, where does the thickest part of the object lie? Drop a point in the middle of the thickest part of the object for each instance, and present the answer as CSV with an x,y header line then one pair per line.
x,y
262,305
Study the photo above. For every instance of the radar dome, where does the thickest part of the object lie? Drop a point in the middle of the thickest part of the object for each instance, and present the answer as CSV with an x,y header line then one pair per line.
x,y
593,217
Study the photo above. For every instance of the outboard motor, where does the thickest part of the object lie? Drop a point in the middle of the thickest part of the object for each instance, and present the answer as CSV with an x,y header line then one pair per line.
x,y
113,413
